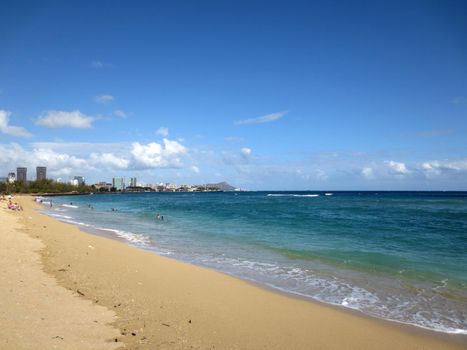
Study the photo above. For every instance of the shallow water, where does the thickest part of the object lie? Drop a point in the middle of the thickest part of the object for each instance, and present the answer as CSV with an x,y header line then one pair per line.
x,y
396,255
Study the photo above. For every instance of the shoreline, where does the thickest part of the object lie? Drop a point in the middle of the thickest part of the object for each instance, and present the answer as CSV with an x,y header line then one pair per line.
x,y
106,233
132,238
294,313
443,335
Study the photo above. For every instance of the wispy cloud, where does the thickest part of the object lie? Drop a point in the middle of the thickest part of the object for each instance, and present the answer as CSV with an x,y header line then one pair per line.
x,y
163,131
64,119
101,65
8,129
119,113
104,99
233,139
263,119
367,172
438,167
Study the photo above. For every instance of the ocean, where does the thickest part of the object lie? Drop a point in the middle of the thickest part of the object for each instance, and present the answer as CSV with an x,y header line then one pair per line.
x,y
400,256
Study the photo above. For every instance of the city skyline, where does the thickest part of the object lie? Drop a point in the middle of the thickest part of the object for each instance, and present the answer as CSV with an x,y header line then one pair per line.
x,y
264,95
117,183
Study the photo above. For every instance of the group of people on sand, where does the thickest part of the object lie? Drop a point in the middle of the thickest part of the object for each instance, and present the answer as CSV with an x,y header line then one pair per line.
x,y
11,205
14,206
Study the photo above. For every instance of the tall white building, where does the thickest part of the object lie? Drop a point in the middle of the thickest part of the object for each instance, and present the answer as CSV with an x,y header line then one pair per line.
x,y
77,180
11,177
118,183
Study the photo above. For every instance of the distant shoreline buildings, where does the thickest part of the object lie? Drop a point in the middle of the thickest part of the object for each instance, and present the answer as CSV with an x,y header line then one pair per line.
x,y
118,184
41,173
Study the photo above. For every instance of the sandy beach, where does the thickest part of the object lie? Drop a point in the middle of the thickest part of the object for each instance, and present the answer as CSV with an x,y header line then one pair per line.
x,y
67,289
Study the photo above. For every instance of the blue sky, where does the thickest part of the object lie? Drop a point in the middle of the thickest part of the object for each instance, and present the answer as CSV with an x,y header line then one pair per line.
x,y
265,95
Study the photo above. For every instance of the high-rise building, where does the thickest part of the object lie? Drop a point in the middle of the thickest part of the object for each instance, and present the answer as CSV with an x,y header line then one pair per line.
x,y
21,174
132,181
77,180
118,183
11,177
41,173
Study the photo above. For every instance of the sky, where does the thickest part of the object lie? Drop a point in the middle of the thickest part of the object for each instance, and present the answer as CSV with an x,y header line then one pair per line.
x,y
266,95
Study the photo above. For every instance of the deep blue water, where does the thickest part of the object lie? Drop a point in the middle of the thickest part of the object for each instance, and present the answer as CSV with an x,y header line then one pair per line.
x,y
396,255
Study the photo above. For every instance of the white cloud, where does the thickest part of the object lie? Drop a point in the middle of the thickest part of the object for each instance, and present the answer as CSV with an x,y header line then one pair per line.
x,y
432,168
10,129
119,113
245,151
59,163
321,175
73,160
459,165
155,155
63,119
163,131
109,160
104,99
263,119
436,167
397,167
367,172
245,155
195,169
12,155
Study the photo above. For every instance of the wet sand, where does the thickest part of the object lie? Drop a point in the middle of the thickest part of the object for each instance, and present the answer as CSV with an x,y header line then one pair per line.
x,y
166,304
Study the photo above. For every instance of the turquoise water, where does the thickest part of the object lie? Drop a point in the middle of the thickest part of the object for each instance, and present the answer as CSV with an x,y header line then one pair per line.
x,y
395,255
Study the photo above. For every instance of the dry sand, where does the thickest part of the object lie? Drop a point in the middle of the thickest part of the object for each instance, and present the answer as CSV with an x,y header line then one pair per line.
x,y
166,304
35,312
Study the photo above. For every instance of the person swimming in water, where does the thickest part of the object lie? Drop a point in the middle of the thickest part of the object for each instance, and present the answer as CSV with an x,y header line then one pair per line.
x,y
158,216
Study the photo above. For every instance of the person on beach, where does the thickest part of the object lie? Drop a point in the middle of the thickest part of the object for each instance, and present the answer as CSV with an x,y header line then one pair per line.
x,y
14,206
